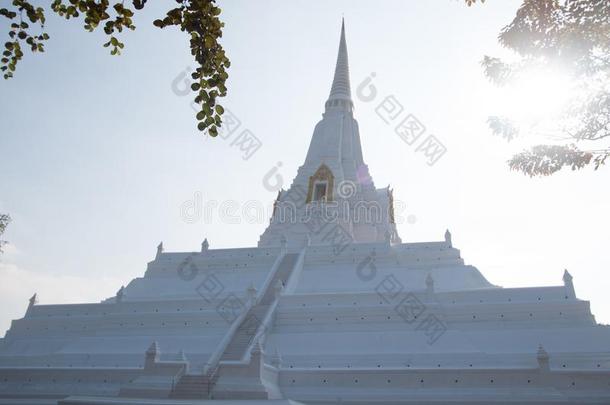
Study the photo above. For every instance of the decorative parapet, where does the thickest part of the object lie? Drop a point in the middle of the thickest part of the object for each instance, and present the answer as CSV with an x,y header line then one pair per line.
x,y
155,366
158,377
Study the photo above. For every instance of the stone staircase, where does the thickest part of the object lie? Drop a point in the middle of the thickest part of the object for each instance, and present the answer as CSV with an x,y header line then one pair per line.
x,y
199,386
192,386
236,349
245,333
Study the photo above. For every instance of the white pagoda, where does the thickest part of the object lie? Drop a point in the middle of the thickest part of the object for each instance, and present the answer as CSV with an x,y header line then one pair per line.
x,y
331,307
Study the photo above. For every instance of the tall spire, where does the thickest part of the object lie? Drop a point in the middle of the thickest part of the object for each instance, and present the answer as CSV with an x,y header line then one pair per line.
x,y
340,92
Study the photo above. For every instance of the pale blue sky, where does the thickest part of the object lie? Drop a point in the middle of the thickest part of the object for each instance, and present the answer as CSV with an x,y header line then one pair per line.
x,y
98,153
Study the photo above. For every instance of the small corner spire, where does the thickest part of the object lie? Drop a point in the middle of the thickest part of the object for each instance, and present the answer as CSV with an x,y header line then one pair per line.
x,y
153,349
448,238
429,284
32,301
568,285
542,356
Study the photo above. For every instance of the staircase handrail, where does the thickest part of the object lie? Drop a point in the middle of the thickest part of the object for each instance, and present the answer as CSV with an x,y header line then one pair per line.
x,y
211,365
296,271
270,276
260,330
267,320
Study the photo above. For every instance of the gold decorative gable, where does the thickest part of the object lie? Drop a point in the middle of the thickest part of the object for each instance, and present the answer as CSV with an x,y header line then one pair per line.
x,y
323,174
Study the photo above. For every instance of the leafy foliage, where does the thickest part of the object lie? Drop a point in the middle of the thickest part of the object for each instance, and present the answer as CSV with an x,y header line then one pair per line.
x,y
4,221
471,2
496,70
548,159
574,36
199,19
503,126
21,16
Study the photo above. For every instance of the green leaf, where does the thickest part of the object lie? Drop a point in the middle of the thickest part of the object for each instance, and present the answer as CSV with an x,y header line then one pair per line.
x,y
208,41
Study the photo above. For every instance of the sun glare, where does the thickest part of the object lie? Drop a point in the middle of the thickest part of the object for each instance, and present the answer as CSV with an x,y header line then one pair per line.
x,y
536,96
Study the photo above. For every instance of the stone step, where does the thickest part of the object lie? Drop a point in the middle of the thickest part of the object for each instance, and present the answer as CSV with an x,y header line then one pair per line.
x,y
242,338
239,343
243,335
191,387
